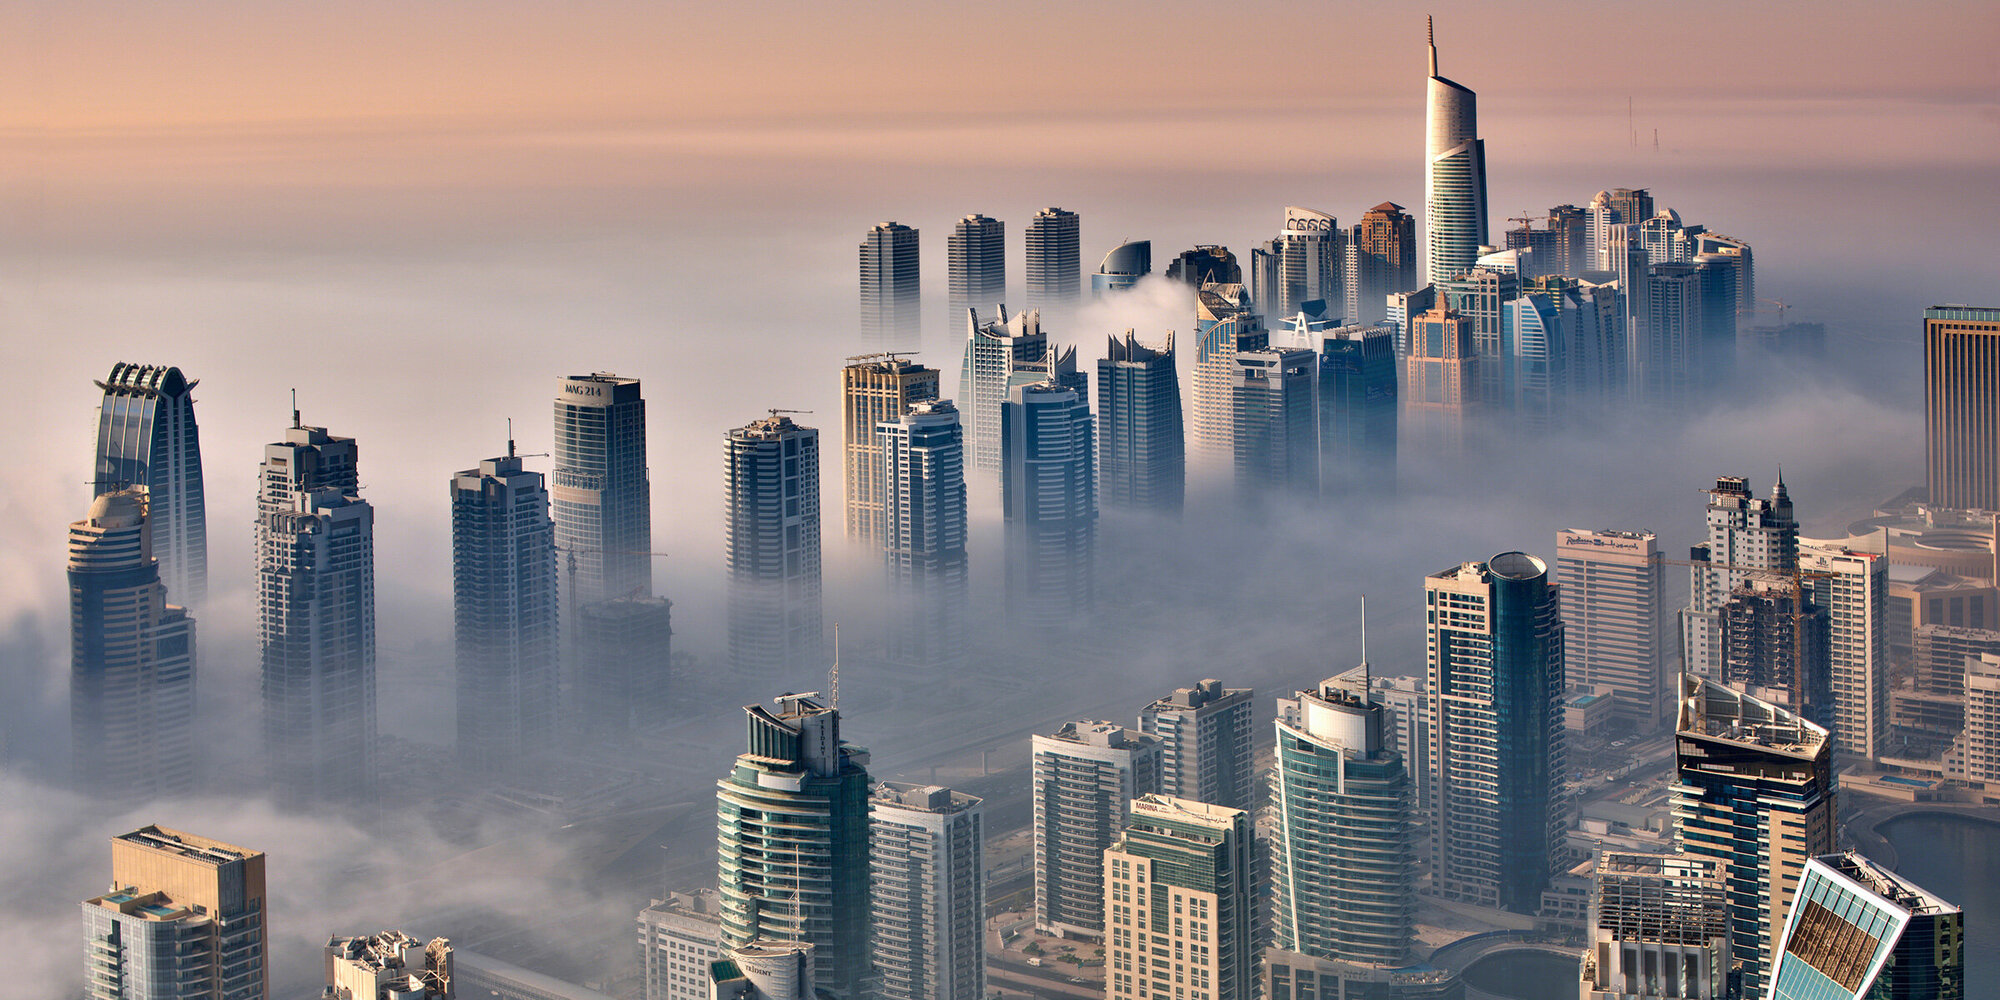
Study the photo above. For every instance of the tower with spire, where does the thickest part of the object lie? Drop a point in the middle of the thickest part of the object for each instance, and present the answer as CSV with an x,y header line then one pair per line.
x,y
1454,174
1746,534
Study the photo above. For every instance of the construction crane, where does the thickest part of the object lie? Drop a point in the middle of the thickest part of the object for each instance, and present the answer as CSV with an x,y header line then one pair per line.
x,y
572,553
1781,308
775,410
891,355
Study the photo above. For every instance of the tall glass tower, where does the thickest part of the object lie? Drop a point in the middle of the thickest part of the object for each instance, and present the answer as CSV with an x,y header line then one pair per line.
x,y
1054,266
923,541
1454,175
1495,641
1049,499
131,660
994,352
316,618
978,263
771,549
1357,410
1143,454
503,574
147,438
891,295
792,841
602,498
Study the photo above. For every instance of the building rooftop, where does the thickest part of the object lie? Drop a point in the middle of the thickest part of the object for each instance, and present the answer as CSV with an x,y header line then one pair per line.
x,y
1103,734
188,845
1887,884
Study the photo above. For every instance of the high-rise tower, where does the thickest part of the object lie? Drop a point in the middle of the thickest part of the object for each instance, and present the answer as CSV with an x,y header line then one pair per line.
x,y
1614,609
1142,454
1440,379
891,296
132,662
1277,422
1343,846
1495,641
928,892
184,920
1054,271
505,613
1122,267
1754,794
1311,266
1357,410
1384,247
1962,406
1658,928
1225,325
994,352
316,618
147,439
771,546
1206,750
1853,588
1049,500
1454,175
1745,534
602,498
1195,860
874,388
978,263
1086,775
792,841
924,536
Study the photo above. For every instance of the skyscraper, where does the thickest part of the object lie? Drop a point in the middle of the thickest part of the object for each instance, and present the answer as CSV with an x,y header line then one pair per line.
x,y
1454,175
1049,500
1614,609
1277,422
1440,380
1860,932
1357,410
1205,264
601,495
1774,644
1754,794
132,660
1385,258
891,295
1142,454
1658,929
1853,588
1674,366
1343,844
679,937
505,613
316,618
147,439
1495,641
978,263
874,388
1225,326
624,657
184,920
1086,774
1744,534
792,833
927,892
994,351
771,545
1054,269
1206,749
1310,266
1962,406
924,536
1195,859
1122,267
1480,295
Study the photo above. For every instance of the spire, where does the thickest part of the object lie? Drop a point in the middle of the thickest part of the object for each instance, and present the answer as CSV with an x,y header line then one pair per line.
x,y
1366,682
1778,492
1430,39
510,437
295,409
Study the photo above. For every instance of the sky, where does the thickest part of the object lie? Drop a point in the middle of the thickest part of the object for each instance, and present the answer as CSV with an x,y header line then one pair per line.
x,y
420,215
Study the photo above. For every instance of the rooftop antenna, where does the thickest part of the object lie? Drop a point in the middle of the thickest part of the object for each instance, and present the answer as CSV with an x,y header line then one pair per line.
x,y
833,675
1430,39
1366,682
295,409
510,437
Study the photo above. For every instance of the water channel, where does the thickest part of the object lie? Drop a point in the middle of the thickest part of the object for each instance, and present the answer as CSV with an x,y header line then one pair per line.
x,y
1958,857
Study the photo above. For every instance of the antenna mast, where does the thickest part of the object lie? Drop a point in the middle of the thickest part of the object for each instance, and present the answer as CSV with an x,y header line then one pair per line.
x,y
833,675
295,409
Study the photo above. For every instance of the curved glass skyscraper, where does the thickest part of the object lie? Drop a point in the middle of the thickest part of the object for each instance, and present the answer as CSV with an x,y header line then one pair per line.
x,y
146,438
1454,176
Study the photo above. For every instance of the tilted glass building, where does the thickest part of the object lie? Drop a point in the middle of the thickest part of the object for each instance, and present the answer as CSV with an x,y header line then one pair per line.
x,y
792,841
147,439
1859,931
